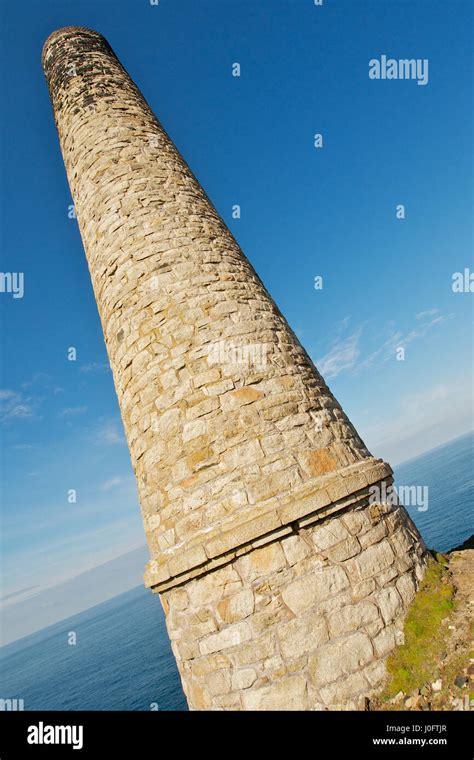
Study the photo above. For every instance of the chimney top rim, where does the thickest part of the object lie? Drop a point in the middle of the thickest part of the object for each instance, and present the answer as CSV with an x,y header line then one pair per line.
x,y
69,32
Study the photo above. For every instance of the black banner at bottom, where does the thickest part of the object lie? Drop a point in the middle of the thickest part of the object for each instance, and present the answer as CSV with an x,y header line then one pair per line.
x,y
96,734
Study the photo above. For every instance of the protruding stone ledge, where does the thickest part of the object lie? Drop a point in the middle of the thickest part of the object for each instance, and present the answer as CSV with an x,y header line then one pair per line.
x,y
265,523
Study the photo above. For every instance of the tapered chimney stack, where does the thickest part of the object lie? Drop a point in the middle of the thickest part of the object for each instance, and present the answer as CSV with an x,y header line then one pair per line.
x,y
283,577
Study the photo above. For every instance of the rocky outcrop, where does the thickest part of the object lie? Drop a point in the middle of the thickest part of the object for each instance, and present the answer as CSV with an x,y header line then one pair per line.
x,y
433,666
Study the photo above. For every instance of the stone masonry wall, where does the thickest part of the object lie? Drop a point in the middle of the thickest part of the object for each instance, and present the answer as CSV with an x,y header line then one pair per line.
x,y
210,441
305,622
235,439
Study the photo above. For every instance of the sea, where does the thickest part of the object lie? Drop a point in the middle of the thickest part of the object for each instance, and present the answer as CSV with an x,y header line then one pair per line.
x,y
122,658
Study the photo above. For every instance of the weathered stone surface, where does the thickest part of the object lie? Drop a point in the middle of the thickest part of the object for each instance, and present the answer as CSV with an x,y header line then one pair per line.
x,y
179,599
401,540
307,617
209,588
352,617
236,607
203,666
375,673
389,602
219,683
385,641
271,614
406,588
374,559
329,534
295,549
362,589
318,462
287,694
384,577
340,658
268,559
344,550
302,635
228,637
229,701
243,679
373,535
357,521
256,651
305,592
343,690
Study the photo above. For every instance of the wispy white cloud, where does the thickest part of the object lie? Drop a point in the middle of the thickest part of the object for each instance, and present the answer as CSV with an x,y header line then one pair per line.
x,y
342,356
95,367
28,400
341,326
428,313
14,406
5,395
345,353
119,480
39,379
17,593
397,339
72,411
109,433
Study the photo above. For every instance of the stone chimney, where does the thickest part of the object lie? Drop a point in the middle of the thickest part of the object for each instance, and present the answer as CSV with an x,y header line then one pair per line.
x,y
284,577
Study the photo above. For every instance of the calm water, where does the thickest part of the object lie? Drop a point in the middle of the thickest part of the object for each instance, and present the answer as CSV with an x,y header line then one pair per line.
x,y
122,659
448,472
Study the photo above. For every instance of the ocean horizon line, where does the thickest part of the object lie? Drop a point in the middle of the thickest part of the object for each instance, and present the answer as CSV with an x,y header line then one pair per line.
x,y
40,631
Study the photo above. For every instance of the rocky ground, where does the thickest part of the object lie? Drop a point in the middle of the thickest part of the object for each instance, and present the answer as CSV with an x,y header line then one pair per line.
x,y
434,668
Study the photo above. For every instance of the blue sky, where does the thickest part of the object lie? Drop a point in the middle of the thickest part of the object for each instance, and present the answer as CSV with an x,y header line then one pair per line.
x,y
304,212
